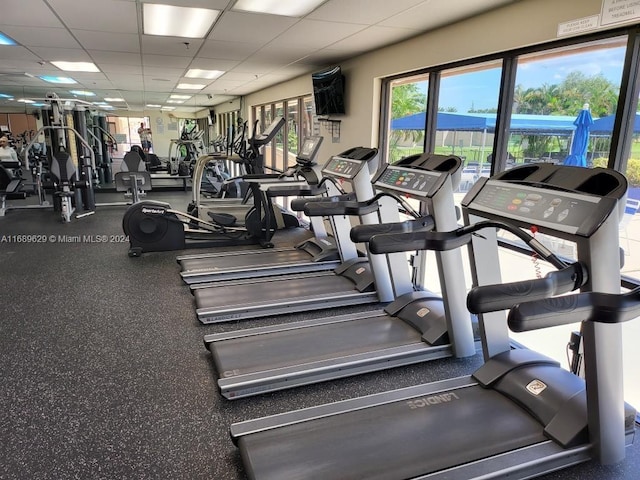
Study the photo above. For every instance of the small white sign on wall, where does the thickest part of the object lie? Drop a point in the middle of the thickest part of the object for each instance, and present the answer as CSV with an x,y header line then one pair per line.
x,y
619,11
580,25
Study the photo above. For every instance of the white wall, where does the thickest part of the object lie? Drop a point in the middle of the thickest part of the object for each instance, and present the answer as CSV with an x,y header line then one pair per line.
x,y
524,23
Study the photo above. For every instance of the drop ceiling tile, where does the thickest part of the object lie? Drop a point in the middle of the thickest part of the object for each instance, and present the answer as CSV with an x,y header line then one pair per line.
x,y
121,58
87,77
234,27
436,13
211,4
30,66
295,70
104,16
156,45
372,38
115,68
316,34
281,55
222,86
159,86
114,42
28,13
165,61
258,66
65,54
101,84
41,37
238,77
16,53
354,11
213,64
163,72
128,82
324,57
227,50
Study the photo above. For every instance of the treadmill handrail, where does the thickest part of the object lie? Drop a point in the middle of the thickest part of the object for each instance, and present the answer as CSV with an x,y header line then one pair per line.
x,y
492,298
582,307
318,209
440,241
417,240
363,233
298,204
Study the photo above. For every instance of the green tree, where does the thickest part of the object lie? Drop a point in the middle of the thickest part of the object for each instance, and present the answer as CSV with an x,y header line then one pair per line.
x,y
577,89
568,97
565,98
406,100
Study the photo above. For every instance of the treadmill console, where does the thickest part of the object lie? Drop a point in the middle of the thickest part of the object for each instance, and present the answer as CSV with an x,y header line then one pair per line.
x,y
561,211
342,167
414,182
309,150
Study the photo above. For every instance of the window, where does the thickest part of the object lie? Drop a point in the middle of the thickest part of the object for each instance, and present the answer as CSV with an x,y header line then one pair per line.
x,y
300,121
407,116
543,90
280,138
552,88
465,126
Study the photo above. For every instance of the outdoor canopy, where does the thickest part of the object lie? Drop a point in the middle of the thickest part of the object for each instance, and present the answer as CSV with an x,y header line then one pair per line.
x,y
478,122
605,124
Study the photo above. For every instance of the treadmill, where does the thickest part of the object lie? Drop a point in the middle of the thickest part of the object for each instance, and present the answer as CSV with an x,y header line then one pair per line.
x,y
356,281
518,416
318,253
417,326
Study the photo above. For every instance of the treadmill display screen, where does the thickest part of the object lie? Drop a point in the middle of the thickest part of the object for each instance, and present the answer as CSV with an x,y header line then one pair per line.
x,y
342,167
417,183
309,149
562,211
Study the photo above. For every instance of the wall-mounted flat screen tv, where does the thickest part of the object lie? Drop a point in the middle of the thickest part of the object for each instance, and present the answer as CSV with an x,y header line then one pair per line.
x,y
328,91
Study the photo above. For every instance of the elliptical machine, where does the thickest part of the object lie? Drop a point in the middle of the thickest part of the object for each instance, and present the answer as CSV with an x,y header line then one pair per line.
x,y
153,226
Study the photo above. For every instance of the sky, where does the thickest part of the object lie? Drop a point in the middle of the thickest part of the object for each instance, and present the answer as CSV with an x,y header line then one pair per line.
x,y
479,89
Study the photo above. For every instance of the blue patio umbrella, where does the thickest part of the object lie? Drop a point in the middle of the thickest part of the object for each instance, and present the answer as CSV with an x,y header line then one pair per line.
x,y
578,151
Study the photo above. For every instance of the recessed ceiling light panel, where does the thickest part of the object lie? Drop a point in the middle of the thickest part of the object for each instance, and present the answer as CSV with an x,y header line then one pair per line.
x,y
6,40
76,66
82,93
291,8
208,74
171,21
54,79
190,86
114,99
181,97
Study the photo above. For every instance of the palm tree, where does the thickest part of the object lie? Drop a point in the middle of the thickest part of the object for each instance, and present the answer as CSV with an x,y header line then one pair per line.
x,y
406,99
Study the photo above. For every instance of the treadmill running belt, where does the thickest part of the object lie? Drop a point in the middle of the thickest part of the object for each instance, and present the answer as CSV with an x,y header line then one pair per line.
x,y
303,345
275,289
265,259
391,441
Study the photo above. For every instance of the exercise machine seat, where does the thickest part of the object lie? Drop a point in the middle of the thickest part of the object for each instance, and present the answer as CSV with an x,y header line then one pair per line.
x,y
133,178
